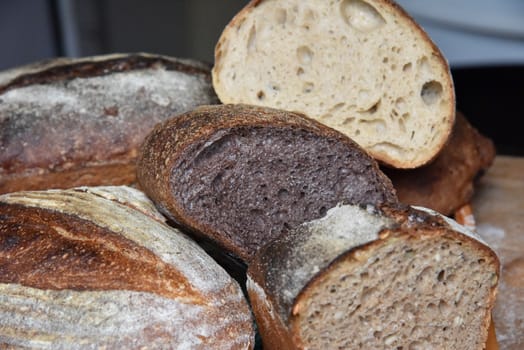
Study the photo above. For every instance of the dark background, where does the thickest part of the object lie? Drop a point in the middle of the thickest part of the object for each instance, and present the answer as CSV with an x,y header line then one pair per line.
x,y
487,59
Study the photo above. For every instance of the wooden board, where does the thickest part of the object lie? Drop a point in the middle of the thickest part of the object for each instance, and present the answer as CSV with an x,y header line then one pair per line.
x,y
498,207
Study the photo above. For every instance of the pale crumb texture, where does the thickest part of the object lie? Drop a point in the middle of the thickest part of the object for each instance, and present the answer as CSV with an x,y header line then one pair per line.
x,y
362,67
408,294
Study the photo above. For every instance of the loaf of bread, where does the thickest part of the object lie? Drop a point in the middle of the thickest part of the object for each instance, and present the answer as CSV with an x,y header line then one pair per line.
x,y
240,175
97,268
447,183
73,122
374,278
363,67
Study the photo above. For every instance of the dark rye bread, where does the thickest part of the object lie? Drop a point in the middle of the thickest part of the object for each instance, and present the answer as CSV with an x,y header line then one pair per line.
x,y
374,278
448,183
240,175
98,268
70,122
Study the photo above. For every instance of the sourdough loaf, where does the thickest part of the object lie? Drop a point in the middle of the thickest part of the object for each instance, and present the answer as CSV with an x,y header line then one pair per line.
x,y
71,122
363,67
447,183
99,268
240,175
374,278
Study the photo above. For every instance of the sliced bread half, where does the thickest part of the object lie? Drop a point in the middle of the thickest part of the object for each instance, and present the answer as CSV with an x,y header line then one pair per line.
x,y
374,278
365,68
240,175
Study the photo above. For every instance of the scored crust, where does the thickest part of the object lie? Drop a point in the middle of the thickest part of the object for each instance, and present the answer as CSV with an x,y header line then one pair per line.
x,y
364,68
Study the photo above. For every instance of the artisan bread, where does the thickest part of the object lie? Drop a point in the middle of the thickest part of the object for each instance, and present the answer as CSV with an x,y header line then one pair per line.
x,y
363,67
240,175
447,183
99,268
374,278
72,122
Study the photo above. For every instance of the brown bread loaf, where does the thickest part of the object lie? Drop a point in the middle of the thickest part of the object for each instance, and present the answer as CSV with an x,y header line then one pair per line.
x,y
98,268
363,67
240,175
447,183
72,122
370,278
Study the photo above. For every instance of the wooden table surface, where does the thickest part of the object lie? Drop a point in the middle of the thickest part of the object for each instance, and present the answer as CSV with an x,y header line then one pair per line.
x,y
498,206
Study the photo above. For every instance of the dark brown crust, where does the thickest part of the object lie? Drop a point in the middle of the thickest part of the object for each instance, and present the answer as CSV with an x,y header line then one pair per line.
x,y
448,182
53,147
35,252
282,331
393,6
95,68
167,143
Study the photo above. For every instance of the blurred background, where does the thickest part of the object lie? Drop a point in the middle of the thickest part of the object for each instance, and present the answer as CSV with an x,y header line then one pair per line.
x,y
483,41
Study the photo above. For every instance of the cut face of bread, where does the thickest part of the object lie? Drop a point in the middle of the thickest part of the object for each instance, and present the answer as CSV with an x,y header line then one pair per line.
x,y
364,68
365,279
242,174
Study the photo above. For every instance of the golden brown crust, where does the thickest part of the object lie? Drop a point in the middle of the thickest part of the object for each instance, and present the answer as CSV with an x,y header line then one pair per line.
x,y
44,249
98,266
448,182
76,122
166,145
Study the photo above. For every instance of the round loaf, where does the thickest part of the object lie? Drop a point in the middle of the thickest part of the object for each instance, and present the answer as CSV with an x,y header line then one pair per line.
x,y
98,268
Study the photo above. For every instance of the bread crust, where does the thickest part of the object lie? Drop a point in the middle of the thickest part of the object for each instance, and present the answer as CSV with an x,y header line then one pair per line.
x,y
447,183
383,156
166,145
72,122
117,276
277,305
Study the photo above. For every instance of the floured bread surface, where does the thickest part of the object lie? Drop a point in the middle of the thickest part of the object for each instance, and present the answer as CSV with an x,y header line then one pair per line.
x,y
366,279
83,268
362,67
79,122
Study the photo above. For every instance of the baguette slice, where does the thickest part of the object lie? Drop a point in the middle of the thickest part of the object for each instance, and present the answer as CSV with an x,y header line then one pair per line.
x,y
374,278
239,175
98,268
72,122
447,183
364,68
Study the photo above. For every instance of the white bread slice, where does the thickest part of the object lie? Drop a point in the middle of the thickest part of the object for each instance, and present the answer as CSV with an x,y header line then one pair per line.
x,y
374,278
365,68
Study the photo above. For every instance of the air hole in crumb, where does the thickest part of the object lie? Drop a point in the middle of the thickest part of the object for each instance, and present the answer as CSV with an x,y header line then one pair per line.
x,y
304,55
261,95
300,71
251,39
322,211
281,16
441,275
385,60
360,15
407,67
283,193
431,92
308,87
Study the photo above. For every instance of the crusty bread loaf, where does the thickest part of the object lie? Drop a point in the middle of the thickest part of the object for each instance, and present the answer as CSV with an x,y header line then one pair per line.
x,y
363,67
374,278
447,183
240,174
98,268
72,122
